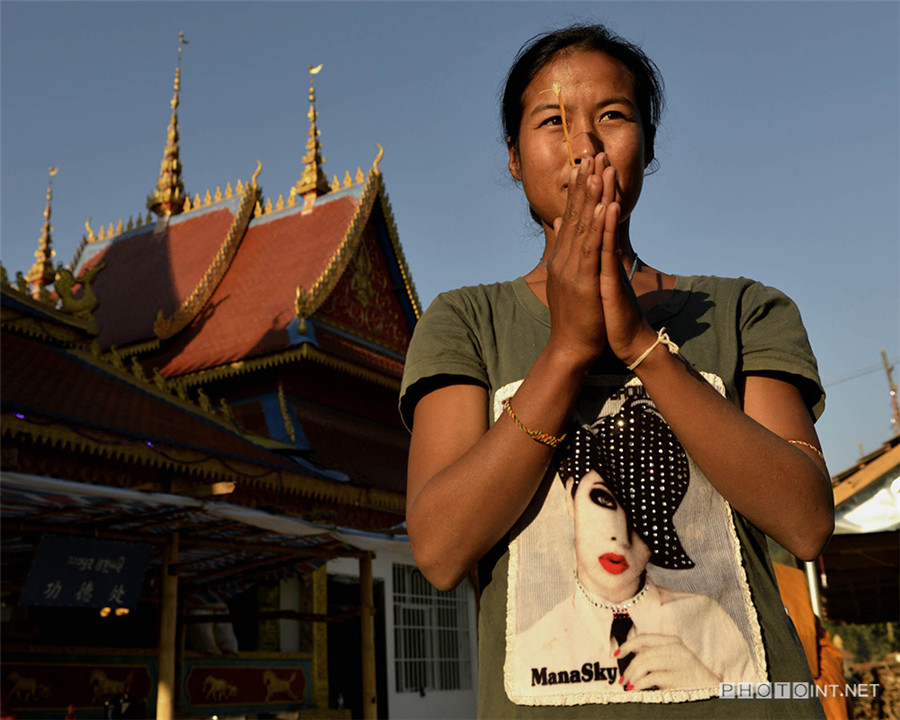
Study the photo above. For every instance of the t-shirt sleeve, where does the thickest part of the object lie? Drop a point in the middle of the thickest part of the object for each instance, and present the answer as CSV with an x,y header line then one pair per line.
x,y
444,343
773,339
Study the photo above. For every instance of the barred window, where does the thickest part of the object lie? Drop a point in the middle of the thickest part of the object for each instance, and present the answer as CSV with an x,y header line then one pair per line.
x,y
431,634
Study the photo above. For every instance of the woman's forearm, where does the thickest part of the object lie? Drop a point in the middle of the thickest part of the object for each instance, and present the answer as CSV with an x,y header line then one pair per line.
x,y
467,484
783,489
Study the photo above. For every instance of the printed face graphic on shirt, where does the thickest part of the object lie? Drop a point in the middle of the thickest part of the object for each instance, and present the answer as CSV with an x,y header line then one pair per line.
x,y
626,547
610,557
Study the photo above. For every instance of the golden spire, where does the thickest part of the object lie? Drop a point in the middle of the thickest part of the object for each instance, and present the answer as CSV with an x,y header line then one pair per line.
x,y
43,272
313,182
169,197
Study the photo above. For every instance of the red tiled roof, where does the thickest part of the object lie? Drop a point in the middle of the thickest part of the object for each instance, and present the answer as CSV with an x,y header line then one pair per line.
x,y
53,386
250,311
146,272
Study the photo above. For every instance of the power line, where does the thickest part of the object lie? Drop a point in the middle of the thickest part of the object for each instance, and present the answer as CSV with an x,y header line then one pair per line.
x,y
857,373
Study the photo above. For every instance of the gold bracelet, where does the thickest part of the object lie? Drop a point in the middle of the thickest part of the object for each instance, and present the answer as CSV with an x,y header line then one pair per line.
x,y
811,447
541,437
661,339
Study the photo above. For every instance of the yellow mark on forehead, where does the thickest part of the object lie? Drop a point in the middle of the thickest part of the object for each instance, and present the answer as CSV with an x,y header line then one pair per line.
x,y
557,88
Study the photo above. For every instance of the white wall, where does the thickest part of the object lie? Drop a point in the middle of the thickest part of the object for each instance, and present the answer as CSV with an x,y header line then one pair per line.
x,y
444,705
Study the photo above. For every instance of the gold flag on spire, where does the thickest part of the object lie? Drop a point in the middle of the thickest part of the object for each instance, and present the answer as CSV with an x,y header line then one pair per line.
x,y
313,182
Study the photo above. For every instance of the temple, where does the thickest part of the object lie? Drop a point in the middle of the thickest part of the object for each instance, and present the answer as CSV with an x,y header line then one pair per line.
x,y
203,464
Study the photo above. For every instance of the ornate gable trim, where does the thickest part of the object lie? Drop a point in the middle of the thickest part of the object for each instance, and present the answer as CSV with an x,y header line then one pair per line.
x,y
391,225
168,327
309,301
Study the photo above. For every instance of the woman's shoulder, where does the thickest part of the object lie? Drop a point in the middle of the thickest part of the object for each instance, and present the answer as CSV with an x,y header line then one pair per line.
x,y
718,282
478,294
475,303
719,286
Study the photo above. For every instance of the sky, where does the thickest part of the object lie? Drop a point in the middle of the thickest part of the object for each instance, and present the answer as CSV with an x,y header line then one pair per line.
x,y
779,151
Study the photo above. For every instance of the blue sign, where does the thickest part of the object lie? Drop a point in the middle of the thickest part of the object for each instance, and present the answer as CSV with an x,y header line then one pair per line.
x,y
71,571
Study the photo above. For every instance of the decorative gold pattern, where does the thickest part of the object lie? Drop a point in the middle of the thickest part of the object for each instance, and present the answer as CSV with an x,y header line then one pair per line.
x,y
304,352
84,305
138,370
364,304
286,415
167,327
43,272
313,181
198,463
308,302
168,198
49,324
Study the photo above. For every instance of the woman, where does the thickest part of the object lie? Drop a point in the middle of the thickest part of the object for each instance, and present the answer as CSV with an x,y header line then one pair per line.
x,y
494,373
620,630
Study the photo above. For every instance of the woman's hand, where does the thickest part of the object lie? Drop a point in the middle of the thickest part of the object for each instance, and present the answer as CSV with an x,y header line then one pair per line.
x,y
577,323
627,330
663,662
590,299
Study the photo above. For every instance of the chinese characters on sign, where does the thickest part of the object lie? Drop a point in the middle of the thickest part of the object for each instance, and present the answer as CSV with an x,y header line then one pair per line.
x,y
83,572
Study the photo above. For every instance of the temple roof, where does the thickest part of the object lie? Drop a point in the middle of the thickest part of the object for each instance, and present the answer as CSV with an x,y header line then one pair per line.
x,y
148,271
221,288
67,399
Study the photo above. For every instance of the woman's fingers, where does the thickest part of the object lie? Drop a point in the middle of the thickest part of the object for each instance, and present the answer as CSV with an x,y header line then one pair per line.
x,y
608,175
609,246
576,226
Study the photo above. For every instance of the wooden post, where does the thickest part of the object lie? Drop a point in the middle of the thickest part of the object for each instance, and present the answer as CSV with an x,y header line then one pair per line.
x,y
367,606
168,623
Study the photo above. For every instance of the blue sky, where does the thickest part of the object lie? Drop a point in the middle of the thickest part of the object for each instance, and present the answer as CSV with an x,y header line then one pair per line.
x,y
779,153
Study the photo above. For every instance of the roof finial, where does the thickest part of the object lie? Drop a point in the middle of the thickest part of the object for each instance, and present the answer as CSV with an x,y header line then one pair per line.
x,y
43,272
169,197
313,182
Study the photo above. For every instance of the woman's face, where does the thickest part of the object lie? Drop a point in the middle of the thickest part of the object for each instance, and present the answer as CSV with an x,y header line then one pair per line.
x,y
602,115
610,557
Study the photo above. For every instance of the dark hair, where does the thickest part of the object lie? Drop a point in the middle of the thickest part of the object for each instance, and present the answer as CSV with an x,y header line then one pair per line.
x,y
538,52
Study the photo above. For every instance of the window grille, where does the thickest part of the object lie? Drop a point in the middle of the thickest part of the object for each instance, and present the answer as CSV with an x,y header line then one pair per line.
x,y
431,634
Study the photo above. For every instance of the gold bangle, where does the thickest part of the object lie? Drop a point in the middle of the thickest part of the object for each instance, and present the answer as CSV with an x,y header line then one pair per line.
x,y
541,437
810,446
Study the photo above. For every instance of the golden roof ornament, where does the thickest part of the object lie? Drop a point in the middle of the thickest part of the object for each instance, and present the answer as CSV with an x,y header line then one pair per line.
x,y
43,272
313,182
168,198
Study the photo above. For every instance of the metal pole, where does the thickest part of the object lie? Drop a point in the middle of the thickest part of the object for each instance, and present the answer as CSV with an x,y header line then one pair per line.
x,y
895,408
812,584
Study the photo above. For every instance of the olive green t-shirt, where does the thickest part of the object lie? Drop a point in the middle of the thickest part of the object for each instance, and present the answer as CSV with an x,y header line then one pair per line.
x,y
491,335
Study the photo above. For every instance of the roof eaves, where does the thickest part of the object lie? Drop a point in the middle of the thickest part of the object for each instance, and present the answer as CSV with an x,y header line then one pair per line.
x,y
23,315
196,463
304,351
867,474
